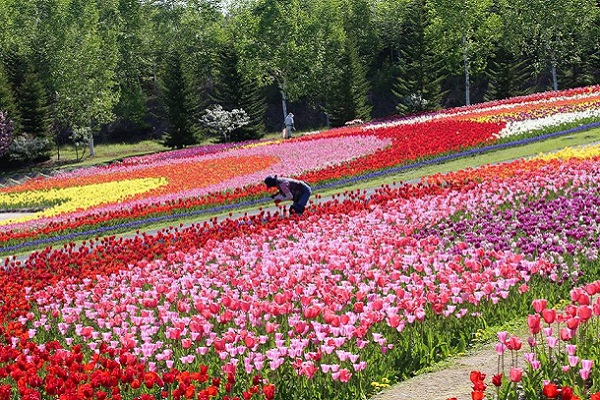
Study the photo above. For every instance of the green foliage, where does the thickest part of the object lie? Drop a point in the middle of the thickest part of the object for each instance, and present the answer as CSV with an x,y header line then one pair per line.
x,y
418,86
101,62
508,75
464,32
348,99
7,99
33,105
551,31
233,90
179,104
133,61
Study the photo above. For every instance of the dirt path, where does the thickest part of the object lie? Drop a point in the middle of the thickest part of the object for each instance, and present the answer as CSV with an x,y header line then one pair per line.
x,y
452,381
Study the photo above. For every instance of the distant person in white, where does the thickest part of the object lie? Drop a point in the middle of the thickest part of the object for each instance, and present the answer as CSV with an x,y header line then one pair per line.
x,y
289,125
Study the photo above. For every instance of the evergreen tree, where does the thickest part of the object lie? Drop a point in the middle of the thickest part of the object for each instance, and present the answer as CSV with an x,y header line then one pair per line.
x,y
418,86
508,75
178,101
35,112
348,100
233,90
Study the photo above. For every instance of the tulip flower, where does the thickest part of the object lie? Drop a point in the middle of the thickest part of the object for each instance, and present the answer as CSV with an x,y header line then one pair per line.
x,y
516,374
549,315
534,323
539,305
551,391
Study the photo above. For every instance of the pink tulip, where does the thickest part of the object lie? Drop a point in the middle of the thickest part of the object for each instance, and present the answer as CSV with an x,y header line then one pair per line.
x,y
565,334
516,374
514,343
502,336
539,305
500,348
549,315
584,313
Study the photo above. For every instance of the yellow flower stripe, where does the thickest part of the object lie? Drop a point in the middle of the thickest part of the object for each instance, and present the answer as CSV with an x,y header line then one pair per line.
x,y
76,198
260,144
579,152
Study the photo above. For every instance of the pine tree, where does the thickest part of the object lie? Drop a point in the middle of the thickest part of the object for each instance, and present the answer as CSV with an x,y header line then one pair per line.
x,y
235,91
348,100
509,75
33,105
418,86
178,101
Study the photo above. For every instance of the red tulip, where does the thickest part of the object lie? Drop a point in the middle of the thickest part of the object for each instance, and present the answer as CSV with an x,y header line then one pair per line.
x,y
584,313
551,391
497,380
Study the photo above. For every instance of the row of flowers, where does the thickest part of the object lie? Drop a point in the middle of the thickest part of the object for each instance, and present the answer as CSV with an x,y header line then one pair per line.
x,y
318,306
151,186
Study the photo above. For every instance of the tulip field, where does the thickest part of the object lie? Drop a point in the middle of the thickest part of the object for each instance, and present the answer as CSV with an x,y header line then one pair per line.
x,y
178,182
358,290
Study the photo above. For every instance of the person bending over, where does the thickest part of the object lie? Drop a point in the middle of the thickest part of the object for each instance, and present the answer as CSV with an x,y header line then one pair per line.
x,y
290,189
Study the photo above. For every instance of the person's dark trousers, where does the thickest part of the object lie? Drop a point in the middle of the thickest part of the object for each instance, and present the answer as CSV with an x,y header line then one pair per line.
x,y
299,205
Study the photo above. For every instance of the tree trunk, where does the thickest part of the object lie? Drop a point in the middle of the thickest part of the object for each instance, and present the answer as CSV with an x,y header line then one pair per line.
x,y
91,145
467,83
283,101
280,80
554,76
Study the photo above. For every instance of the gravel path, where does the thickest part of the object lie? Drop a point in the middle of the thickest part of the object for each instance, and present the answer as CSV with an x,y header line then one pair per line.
x,y
452,381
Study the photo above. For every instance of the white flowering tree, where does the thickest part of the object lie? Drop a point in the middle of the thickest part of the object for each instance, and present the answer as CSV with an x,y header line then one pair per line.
x,y
80,137
223,122
6,137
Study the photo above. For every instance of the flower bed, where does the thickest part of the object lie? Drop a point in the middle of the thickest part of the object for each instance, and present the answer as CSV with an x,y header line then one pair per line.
x,y
152,186
357,290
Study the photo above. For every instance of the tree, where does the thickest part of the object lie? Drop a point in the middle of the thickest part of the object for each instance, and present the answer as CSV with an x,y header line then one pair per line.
x,y
418,86
276,41
223,122
83,69
234,90
464,30
509,71
133,65
348,100
551,30
179,104
35,113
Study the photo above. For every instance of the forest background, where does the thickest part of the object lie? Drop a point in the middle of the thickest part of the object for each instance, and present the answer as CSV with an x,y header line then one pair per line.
x,y
79,72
